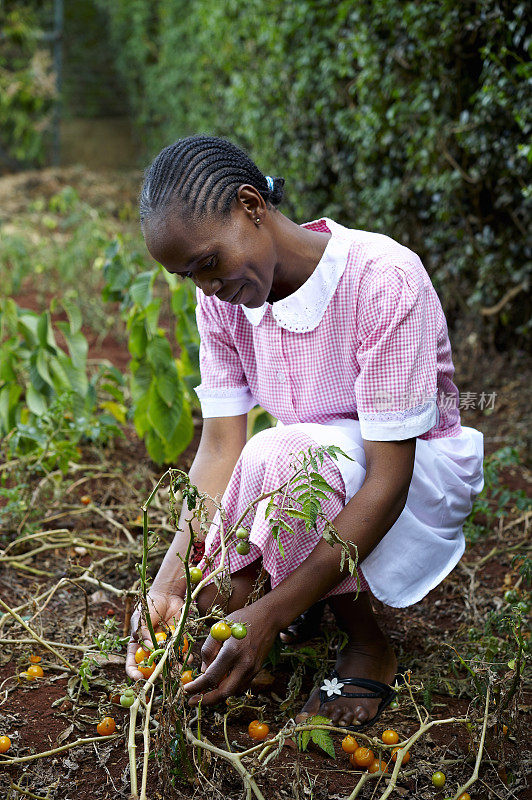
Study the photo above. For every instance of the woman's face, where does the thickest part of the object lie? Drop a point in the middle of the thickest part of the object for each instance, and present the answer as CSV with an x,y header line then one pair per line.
x,y
231,256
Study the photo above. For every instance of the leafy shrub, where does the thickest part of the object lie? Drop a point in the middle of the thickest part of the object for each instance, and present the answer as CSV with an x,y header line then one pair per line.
x,y
161,385
405,118
27,88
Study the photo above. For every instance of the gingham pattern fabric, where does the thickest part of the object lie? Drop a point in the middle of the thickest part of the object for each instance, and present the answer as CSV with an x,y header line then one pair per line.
x,y
266,462
363,338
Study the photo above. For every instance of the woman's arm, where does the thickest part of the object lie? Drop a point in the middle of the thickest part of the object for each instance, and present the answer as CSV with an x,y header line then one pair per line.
x,y
365,520
222,441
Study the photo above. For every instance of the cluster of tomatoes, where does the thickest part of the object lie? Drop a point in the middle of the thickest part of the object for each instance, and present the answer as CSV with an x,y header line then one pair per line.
x,y
364,758
34,670
142,654
242,546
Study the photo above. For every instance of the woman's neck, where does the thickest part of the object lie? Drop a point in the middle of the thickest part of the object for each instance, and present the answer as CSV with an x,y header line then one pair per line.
x,y
299,251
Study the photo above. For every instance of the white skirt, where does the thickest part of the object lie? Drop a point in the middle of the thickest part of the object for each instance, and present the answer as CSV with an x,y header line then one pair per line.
x,y
426,542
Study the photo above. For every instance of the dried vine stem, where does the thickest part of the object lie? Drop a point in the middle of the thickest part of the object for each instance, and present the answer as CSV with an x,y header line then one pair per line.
x,y
77,743
36,636
474,776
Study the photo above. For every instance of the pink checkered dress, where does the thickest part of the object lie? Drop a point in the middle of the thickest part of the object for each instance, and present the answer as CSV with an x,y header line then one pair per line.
x,y
361,347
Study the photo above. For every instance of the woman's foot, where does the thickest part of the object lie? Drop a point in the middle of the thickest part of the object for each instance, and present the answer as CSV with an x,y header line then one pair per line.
x,y
366,655
305,626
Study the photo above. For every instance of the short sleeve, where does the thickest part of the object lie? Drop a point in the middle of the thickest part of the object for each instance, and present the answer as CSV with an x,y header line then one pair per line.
x,y
397,354
223,391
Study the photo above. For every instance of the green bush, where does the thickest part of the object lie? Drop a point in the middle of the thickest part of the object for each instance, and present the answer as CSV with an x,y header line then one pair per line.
x,y
405,118
27,87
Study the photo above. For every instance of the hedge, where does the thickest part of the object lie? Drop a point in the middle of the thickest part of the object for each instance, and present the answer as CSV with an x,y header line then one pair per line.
x,y
409,119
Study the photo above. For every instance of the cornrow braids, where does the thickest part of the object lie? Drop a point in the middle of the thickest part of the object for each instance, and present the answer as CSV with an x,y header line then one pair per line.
x,y
203,174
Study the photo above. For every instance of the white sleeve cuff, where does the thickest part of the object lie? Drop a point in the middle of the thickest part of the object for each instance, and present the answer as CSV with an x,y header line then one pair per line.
x,y
225,402
398,425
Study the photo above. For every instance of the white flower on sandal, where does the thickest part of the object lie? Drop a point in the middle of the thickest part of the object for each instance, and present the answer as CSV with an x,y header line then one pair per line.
x,y
332,687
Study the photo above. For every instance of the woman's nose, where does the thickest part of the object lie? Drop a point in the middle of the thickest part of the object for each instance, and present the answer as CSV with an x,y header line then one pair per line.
x,y
209,286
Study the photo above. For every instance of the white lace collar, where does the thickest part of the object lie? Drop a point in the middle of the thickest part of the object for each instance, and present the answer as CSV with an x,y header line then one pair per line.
x,y
303,310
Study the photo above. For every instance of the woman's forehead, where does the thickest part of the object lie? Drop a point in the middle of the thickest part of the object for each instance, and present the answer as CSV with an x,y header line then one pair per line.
x,y
178,242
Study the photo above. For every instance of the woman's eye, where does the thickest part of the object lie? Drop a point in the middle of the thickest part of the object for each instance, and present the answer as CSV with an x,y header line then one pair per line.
x,y
210,263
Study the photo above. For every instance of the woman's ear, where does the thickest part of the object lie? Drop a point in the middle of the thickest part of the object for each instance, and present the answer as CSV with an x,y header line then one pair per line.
x,y
251,201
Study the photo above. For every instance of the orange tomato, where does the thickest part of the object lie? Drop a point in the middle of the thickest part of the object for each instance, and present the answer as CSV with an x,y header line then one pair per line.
x,y
406,757
114,698
183,650
465,796
377,765
362,757
5,744
160,637
349,744
35,671
106,727
141,654
390,737
146,671
258,730
35,659
186,676
86,499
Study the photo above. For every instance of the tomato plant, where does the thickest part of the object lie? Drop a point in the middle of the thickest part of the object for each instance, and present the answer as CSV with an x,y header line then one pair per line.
x,y
187,676
239,630
362,757
258,730
390,737
220,631
106,727
349,744
5,744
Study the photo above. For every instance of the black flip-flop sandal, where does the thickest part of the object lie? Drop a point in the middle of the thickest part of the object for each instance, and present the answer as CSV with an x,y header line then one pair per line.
x,y
305,625
333,687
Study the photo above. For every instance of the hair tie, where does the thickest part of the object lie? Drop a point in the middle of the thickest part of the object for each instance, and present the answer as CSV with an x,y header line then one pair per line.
x,y
269,181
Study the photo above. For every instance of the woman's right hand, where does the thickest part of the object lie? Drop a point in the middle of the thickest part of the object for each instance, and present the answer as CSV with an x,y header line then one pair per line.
x,y
163,607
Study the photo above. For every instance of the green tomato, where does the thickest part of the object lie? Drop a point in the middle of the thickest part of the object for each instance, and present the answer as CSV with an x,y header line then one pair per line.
x,y
523,607
511,596
438,779
195,574
127,700
394,704
239,630
129,692
220,631
242,548
242,533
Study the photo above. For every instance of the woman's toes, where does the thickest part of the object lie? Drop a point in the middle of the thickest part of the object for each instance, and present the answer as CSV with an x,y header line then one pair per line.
x,y
310,708
361,714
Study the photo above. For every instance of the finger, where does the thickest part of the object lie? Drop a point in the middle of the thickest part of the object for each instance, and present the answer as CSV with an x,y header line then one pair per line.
x,y
215,672
209,652
233,683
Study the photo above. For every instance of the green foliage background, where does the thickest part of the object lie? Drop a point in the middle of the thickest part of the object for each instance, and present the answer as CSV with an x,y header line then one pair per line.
x,y
406,118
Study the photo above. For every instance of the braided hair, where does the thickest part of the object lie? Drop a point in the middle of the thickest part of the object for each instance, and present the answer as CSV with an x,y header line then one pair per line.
x,y
203,174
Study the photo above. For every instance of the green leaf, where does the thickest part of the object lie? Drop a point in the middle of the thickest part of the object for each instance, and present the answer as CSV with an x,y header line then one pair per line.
x,y
159,354
73,314
163,418
323,739
35,401
78,348
141,290
138,338
169,386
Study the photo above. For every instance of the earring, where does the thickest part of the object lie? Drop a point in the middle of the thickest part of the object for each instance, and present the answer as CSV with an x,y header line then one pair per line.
x,y
257,221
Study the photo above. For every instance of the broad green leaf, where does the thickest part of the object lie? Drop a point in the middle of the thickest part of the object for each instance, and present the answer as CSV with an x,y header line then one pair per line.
x,y
140,289
138,338
117,410
35,401
78,349
155,447
73,314
159,354
169,386
163,418
182,436
41,362
323,739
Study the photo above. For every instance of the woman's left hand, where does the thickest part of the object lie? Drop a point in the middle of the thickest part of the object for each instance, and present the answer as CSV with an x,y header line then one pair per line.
x,y
230,666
